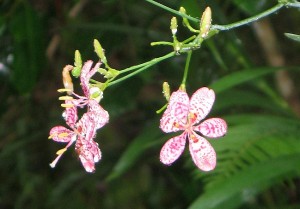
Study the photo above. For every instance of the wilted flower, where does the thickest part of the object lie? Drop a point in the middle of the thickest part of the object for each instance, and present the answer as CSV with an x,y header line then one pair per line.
x,y
184,114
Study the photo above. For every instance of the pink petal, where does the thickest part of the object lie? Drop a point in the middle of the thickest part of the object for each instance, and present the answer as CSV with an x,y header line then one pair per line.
x,y
86,74
213,127
84,78
97,114
88,152
70,114
175,116
86,127
203,154
172,149
61,134
201,103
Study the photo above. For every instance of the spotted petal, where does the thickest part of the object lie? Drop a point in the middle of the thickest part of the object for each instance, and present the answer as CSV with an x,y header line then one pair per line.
x,y
61,134
86,74
86,127
203,154
70,114
172,149
201,103
213,127
88,152
97,114
175,116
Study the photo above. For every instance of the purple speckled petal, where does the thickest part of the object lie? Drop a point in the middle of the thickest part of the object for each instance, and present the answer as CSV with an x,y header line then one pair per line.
x,y
61,134
172,149
213,127
203,154
201,103
88,152
175,116
86,73
97,114
70,114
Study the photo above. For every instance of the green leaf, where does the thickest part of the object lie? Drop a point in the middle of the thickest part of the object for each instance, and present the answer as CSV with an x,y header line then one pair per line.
x,y
26,28
240,77
250,7
149,137
246,98
232,193
292,36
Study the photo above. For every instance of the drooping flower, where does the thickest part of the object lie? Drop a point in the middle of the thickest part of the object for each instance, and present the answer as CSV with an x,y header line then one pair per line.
x,y
184,114
82,131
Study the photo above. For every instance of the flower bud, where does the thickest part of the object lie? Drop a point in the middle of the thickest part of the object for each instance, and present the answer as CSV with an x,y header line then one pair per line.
x,y
174,25
78,64
182,10
166,90
67,80
205,22
96,93
99,51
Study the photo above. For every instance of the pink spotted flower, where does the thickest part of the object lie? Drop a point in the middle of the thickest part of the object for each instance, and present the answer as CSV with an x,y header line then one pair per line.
x,y
83,134
184,114
82,131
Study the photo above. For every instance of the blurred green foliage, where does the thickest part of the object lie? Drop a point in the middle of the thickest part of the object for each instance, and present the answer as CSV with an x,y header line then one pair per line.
x,y
258,161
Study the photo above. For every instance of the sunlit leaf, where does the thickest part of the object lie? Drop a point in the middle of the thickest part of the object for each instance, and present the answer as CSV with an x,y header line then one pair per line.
x,y
294,37
232,193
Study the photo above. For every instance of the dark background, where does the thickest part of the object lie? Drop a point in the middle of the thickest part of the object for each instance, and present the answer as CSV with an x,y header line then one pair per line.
x,y
258,160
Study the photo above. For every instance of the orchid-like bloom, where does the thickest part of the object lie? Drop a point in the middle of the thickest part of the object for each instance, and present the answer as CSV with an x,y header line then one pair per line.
x,y
82,131
184,114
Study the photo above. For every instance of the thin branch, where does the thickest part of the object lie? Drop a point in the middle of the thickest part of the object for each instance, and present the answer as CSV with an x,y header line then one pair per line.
x,y
173,11
249,20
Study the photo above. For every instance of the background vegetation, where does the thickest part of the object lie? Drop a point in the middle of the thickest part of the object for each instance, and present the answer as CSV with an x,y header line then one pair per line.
x,y
258,160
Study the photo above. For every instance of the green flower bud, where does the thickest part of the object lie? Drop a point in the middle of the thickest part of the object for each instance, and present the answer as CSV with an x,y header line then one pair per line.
x,y
166,90
99,51
78,64
174,25
205,22
182,10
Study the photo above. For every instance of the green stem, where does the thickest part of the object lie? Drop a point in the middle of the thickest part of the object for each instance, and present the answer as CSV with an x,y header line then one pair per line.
x,y
161,43
145,66
297,4
137,66
173,11
186,68
249,20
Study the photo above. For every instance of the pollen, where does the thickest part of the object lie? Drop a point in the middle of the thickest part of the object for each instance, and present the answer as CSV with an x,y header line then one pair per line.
x,y
61,135
194,138
175,124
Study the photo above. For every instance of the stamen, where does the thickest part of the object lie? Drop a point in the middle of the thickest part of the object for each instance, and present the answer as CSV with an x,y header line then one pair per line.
x,y
192,117
66,98
64,90
53,164
64,134
176,125
194,138
61,151
67,105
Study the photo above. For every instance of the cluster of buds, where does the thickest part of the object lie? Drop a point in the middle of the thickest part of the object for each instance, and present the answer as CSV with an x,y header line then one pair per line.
x,y
81,131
